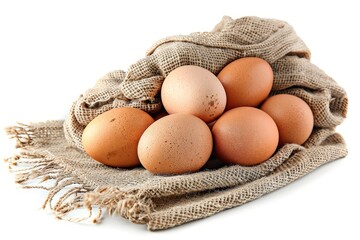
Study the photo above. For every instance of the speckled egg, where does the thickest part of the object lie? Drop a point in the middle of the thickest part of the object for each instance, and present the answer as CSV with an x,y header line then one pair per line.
x,y
193,90
112,137
175,144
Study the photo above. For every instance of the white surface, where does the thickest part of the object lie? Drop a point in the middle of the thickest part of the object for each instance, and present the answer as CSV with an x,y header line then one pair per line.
x,y
51,52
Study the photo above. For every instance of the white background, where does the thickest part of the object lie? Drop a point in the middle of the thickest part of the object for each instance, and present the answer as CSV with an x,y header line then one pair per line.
x,y
51,51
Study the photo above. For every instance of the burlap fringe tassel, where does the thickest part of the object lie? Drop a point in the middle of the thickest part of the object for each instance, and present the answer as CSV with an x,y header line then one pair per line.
x,y
33,169
131,205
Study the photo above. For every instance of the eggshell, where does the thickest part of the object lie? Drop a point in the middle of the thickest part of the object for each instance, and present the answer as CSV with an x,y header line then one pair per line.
x,y
193,90
175,144
293,117
247,82
112,137
245,136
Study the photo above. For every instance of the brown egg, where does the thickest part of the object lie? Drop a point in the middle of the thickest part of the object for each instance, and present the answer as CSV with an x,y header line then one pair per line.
x,y
112,137
193,90
292,116
247,82
175,144
245,136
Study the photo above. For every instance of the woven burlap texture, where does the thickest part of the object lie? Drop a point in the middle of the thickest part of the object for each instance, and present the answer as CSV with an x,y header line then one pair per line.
x,y
54,149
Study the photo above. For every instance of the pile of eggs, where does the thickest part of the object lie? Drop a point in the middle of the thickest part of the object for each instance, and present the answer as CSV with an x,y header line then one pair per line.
x,y
230,115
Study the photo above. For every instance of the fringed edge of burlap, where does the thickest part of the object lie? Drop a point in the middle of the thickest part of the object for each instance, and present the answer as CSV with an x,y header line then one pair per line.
x,y
131,205
38,169
68,193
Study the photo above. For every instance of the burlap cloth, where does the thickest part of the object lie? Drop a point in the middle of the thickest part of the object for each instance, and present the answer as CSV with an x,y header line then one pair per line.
x,y
52,151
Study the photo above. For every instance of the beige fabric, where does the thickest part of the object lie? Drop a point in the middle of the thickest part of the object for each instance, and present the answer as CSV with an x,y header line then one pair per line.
x,y
54,151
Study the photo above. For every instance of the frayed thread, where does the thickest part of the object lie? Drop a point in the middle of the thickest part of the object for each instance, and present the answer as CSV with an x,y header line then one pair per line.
x,y
65,195
23,133
131,204
35,169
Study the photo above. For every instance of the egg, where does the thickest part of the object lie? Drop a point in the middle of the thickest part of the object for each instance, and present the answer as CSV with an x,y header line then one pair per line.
x,y
247,82
112,137
245,136
293,117
175,144
193,90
